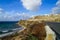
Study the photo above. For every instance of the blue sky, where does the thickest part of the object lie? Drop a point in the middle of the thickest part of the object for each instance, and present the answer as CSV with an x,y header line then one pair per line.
x,y
11,10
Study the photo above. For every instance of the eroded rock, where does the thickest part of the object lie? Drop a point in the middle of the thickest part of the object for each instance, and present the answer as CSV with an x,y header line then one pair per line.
x,y
34,31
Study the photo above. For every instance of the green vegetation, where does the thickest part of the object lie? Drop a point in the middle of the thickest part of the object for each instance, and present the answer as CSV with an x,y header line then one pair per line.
x,y
31,37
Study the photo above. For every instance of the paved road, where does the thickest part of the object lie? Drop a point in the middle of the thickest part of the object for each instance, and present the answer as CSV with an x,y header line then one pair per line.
x,y
55,26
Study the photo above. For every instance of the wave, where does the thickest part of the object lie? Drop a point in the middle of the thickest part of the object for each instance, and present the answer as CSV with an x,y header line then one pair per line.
x,y
9,32
17,29
4,31
6,34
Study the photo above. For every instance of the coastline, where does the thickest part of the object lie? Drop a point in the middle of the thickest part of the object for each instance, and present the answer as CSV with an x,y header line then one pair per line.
x,y
23,32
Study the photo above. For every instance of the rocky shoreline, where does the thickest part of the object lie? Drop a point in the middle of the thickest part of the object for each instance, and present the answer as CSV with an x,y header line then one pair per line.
x,y
30,31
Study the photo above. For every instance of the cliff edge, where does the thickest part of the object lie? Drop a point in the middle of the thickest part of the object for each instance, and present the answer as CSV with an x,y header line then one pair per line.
x,y
33,30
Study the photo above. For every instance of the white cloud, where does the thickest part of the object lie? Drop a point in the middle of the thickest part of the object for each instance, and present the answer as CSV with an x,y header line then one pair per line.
x,y
57,8
1,10
13,16
23,15
58,3
31,4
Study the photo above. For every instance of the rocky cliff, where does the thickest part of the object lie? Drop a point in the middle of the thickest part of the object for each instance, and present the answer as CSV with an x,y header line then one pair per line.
x,y
33,30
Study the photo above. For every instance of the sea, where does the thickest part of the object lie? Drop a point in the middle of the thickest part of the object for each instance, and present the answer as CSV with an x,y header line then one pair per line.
x,y
9,27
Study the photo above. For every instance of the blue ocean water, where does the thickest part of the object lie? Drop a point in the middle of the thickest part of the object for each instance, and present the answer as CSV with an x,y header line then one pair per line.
x,y
9,26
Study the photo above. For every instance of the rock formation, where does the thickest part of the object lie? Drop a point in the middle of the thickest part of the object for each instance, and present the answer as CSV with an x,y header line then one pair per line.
x,y
35,31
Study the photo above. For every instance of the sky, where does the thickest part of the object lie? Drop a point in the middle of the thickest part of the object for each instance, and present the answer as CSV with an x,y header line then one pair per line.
x,y
14,10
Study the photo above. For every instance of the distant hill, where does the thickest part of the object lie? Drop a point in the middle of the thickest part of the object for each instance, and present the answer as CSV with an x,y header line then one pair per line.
x,y
51,18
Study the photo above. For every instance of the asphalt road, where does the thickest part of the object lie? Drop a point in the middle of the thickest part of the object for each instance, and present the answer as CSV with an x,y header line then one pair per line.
x,y
55,26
